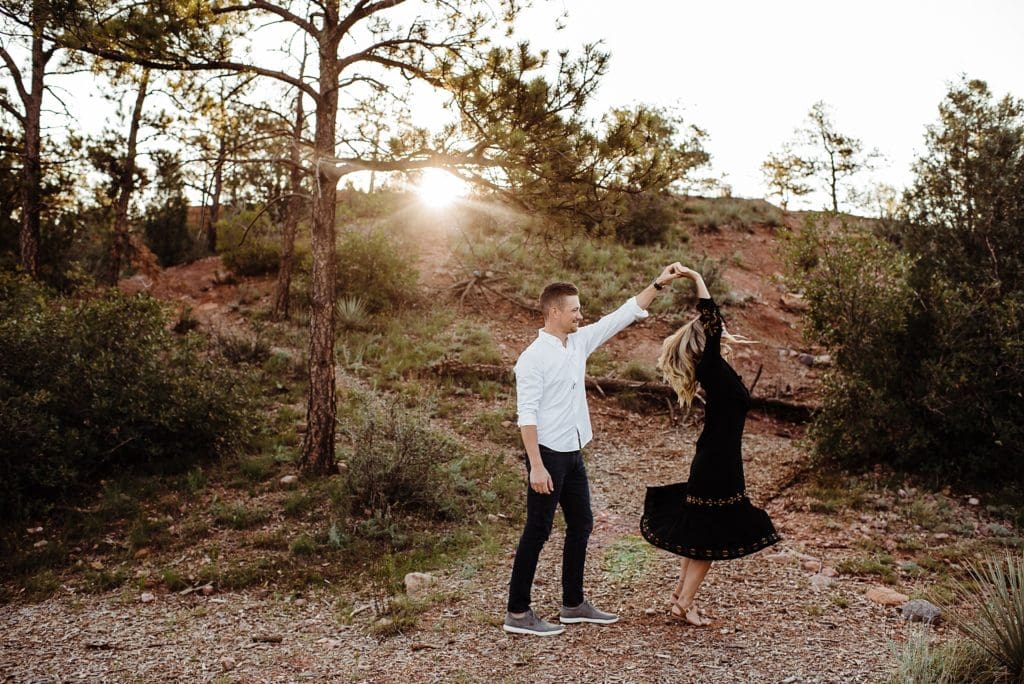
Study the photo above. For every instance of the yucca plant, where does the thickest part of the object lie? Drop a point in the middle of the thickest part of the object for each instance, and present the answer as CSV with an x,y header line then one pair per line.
x,y
352,313
995,593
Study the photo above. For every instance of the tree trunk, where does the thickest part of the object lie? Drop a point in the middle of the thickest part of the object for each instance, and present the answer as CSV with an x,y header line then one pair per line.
x,y
318,449
32,177
121,244
218,188
282,294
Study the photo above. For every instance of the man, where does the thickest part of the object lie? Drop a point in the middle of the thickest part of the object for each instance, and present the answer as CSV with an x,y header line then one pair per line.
x,y
555,424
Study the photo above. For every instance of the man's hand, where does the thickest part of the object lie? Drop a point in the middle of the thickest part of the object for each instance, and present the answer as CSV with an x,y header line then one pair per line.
x,y
670,273
540,480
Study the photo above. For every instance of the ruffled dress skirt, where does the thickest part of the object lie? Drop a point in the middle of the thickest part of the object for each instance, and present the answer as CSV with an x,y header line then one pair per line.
x,y
704,528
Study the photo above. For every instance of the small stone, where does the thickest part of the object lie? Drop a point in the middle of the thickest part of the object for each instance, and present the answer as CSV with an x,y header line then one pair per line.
x,y
96,565
289,479
506,423
34,530
342,467
141,553
940,536
300,601
811,565
919,610
40,544
806,359
492,518
821,582
417,583
794,302
227,663
823,360
147,597
780,557
973,501
829,571
650,611
886,596
790,680
206,589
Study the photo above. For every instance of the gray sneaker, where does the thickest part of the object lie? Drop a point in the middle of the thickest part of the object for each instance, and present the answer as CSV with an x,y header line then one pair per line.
x,y
530,624
586,613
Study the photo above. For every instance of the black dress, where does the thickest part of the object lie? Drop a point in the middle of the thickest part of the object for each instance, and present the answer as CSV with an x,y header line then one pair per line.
x,y
710,517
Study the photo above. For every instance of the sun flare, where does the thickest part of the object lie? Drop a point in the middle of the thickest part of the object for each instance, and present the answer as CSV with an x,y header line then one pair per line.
x,y
439,189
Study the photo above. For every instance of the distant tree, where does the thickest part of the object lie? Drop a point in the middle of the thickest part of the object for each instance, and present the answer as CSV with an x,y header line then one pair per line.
x,y
785,174
820,152
965,210
880,199
165,222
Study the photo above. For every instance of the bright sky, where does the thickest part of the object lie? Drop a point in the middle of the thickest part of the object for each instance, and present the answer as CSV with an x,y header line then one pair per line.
x,y
748,71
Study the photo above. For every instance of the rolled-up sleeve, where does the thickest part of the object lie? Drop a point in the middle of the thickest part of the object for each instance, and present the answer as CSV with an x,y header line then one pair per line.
x,y
529,388
594,335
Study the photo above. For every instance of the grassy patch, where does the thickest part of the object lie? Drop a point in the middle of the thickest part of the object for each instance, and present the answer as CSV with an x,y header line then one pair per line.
x,y
883,566
832,492
626,559
303,545
238,516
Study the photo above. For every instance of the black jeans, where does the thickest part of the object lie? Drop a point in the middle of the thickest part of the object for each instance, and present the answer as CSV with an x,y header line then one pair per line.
x,y
572,491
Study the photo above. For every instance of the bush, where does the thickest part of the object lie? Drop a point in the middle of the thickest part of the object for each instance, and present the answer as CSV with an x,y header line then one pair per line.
x,y
371,267
397,464
866,417
91,388
648,220
248,248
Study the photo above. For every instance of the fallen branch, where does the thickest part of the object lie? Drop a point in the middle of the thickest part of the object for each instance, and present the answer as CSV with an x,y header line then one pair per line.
x,y
784,410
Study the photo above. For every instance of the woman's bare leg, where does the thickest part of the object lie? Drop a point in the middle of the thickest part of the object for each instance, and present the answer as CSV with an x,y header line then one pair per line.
x,y
696,570
683,562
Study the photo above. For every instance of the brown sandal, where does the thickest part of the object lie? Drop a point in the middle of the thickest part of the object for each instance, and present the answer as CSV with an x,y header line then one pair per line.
x,y
690,616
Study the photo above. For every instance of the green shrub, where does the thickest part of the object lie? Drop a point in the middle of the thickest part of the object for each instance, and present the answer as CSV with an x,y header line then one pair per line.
x,y
252,253
648,220
372,267
396,464
89,388
303,545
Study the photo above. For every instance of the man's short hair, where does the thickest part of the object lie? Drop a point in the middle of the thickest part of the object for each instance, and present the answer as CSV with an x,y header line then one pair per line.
x,y
553,294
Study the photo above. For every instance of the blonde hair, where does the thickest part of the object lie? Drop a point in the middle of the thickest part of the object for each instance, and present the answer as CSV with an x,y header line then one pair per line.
x,y
681,352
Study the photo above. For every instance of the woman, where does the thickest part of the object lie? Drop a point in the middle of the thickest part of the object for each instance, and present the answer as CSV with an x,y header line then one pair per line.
x,y
709,517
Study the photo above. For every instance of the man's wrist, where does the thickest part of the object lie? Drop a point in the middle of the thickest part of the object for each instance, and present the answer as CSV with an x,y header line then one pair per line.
x,y
658,286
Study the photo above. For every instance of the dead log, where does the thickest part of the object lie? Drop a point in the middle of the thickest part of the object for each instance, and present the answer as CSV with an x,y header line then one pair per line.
x,y
788,411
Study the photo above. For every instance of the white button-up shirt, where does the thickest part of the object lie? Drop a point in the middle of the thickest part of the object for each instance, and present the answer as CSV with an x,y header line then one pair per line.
x,y
550,390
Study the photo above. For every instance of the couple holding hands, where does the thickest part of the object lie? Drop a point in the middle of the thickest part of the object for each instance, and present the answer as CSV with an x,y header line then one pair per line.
x,y
706,518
